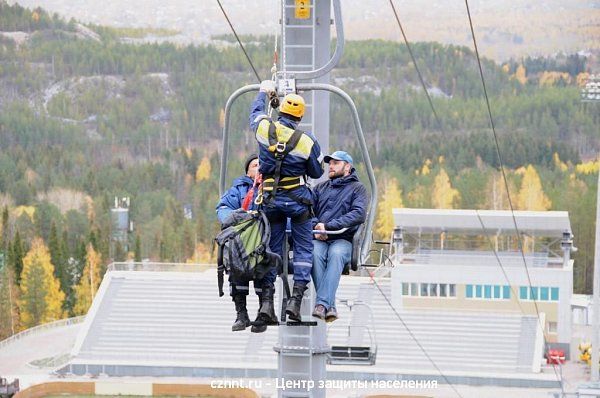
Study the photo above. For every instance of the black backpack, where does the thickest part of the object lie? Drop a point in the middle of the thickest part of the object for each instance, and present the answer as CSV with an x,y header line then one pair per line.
x,y
243,247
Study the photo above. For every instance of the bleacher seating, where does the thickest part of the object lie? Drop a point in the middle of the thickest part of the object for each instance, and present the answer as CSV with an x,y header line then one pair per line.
x,y
167,321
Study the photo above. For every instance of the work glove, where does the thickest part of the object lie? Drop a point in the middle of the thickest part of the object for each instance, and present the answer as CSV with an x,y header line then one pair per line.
x,y
267,86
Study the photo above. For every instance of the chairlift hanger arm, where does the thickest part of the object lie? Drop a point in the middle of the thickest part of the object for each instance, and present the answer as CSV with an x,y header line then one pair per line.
x,y
337,54
225,142
366,243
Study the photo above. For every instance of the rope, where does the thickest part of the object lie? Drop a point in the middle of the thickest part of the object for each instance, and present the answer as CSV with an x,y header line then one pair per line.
x,y
239,41
512,211
408,329
414,61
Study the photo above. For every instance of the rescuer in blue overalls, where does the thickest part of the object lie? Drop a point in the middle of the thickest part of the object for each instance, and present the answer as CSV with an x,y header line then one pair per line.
x,y
286,156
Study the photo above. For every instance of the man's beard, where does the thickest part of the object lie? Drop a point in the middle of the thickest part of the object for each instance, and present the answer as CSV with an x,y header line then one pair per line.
x,y
335,175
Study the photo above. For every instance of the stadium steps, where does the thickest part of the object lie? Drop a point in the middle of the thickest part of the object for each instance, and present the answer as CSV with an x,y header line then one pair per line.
x,y
160,318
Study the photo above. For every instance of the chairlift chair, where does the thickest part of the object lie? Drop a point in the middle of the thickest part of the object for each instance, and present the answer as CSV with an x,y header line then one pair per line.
x,y
355,354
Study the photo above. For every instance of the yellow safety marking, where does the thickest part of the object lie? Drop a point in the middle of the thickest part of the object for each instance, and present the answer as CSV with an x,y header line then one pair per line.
x,y
302,10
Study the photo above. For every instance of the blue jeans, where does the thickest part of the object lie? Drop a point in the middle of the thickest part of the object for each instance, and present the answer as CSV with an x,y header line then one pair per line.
x,y
329,258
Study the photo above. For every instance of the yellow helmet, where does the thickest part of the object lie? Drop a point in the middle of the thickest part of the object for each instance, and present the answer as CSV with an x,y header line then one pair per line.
x,y
292,104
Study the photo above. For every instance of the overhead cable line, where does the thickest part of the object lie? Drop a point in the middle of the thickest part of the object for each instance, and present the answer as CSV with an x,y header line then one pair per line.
x,y
501,164
485,232
415,64
388,259
239,41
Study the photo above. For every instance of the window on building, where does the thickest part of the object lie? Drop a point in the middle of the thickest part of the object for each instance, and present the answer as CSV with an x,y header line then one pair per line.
x,y
428,289
469,292
490,292
538,293
497,292
487,290
523,293
478,291
552,327
414,289
533,293
433,290
443,290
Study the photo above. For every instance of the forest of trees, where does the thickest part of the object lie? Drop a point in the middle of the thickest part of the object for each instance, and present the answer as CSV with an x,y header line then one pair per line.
x,y
83,121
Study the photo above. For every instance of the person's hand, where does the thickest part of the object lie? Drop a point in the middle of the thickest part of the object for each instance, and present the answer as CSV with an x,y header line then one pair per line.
x,y
267,86
320,227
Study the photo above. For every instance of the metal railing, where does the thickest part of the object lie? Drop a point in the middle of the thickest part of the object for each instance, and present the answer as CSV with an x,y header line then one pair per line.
x,y
160,267
40,328
460,257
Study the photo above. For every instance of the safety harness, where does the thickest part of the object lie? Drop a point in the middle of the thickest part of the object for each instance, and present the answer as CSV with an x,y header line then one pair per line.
x,y
272,183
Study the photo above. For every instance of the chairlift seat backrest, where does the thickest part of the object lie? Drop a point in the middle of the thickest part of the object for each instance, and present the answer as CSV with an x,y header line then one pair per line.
x,y
356,245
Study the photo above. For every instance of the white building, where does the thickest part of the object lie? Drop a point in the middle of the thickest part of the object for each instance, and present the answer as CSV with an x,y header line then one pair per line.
x,y
470,260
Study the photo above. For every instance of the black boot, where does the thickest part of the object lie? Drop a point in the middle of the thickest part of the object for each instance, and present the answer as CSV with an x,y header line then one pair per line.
x,y
267,308
259,325
293,306
241,321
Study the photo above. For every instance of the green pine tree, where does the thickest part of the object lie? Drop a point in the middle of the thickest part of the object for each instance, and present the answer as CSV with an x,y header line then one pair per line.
x,y
5,230
8,300
138,249
16,254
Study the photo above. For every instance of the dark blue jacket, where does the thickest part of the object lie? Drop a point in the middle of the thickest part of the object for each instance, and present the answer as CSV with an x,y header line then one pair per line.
x,y
233,198
341,203
293,165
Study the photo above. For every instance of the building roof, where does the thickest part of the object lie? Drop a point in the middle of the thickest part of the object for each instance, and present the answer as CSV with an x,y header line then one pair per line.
x,y
538,223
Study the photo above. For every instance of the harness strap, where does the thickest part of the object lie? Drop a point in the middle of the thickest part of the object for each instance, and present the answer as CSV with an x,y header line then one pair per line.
x,y
220,269
284,183
280,151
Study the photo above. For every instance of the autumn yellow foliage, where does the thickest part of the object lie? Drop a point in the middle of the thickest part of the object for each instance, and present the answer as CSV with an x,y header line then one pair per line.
x,y
426,169
20,210
559,164
204,170
222,118
590,167
419,197
550,78
531,195
496,195
582,79
41,298
202,255
520,74
90,280
390,199
444,196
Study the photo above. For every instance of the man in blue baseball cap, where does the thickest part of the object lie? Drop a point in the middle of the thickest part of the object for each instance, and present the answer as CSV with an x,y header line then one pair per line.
x,y
340,202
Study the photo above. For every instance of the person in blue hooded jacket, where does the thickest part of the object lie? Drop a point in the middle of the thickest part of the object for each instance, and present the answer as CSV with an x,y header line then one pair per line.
x,y
233,198
286,156
230,201
340,202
